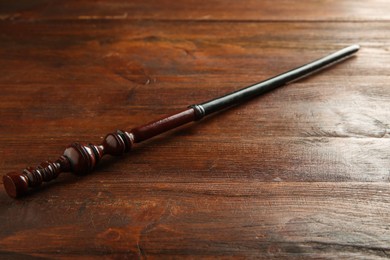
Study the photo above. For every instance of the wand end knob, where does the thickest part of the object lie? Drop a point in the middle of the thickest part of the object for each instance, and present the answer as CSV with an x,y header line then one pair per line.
x,y
15,184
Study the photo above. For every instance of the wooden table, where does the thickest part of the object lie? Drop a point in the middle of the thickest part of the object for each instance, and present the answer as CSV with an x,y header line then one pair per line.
x,y
302,171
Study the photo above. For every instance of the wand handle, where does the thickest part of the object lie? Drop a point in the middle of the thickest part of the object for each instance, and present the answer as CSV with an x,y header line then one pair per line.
x,y
77,158
81,159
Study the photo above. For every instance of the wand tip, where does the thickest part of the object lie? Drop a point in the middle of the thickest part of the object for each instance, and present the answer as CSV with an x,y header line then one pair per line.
x,y
355,47
348,51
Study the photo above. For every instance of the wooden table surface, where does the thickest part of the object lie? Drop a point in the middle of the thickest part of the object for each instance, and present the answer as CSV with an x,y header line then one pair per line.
x,y
302,171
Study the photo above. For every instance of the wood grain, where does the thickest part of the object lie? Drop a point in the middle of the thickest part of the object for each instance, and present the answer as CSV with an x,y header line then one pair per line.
x,y
301,172
212,10
236,219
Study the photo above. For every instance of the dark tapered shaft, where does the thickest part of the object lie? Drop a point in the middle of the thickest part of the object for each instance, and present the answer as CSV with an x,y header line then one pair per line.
x,y
82,158
257,89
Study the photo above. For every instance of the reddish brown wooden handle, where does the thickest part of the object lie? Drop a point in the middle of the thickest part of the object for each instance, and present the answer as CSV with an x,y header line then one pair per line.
x,y
77,158
82,158
17,184
163,124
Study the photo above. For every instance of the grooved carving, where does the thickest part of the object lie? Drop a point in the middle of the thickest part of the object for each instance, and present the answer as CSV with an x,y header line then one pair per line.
x,y
84,157
77,158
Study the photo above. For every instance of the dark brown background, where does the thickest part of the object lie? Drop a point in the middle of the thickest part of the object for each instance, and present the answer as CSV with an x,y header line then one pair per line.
x,y
302,171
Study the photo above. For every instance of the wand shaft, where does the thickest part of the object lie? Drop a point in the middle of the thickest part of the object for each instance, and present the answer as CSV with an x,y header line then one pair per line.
x,y
257,89
82,158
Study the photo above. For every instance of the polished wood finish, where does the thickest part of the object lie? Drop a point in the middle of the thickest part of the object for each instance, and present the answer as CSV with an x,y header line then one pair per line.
x,y
77,158
162,125
301,172
83,158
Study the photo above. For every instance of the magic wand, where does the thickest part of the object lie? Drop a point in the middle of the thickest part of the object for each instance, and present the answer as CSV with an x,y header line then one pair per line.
x,y
82,158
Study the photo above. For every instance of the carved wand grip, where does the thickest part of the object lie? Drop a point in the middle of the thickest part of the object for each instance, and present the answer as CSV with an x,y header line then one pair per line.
x,y
77,158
